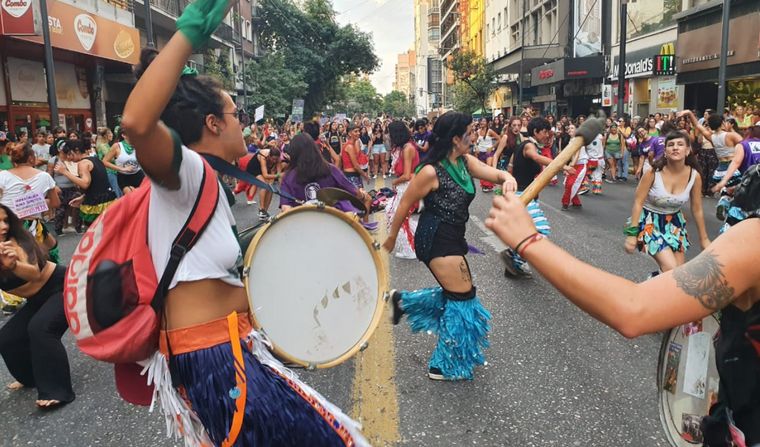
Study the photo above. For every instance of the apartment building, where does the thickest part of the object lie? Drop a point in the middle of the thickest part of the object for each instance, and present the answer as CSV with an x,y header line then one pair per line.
x,y
405,73
95,43
450,42
427,36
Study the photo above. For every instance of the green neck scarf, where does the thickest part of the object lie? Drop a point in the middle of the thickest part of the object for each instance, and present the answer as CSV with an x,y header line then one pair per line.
x,y
460,174
127,147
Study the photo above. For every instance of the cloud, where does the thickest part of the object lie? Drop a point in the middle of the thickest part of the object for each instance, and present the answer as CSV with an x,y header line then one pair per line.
x,y
391,23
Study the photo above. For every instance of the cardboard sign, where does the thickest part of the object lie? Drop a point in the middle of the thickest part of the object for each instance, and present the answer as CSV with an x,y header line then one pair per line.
x,y
30,204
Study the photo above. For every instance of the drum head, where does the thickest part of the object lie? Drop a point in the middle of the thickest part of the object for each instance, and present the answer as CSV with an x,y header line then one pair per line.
x,y
316,283
687,380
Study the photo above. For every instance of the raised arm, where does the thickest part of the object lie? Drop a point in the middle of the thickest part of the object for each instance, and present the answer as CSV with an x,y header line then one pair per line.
x,y
499,149
152,140
692,291
480,170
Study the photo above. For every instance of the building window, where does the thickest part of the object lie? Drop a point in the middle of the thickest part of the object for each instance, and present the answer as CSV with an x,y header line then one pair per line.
x,y
499,21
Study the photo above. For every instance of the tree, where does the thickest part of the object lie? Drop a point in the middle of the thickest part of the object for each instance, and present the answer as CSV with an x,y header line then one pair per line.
x,y
397,105
309,38
355,95
219,67
463,98
274,84
472,71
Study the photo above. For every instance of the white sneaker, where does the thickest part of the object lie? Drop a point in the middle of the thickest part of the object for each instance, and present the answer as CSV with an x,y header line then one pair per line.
x,y
385,176
251,202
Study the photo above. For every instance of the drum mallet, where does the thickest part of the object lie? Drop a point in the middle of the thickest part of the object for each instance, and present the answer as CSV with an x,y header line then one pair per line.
x,y
584,135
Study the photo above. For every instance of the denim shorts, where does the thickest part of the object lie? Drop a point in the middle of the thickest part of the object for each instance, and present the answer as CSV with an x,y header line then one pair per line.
x,y
378,149
615,155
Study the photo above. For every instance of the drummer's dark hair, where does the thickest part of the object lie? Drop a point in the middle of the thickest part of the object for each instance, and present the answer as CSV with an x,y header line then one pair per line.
x,y
305,160
399,133
194,98
449,125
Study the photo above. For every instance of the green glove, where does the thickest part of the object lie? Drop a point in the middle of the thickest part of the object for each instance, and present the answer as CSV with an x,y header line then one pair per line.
x,y
200,19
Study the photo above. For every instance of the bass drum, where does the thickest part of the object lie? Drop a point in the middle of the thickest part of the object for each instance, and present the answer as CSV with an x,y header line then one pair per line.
x,y
316,285
687,380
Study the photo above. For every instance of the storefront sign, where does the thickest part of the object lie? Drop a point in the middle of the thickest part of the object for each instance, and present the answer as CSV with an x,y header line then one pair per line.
x,y
606,95
546,74
28,86
76,30
19,18
699,49
665,64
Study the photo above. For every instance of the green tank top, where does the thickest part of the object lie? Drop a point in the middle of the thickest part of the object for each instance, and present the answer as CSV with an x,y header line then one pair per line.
x,y
613,143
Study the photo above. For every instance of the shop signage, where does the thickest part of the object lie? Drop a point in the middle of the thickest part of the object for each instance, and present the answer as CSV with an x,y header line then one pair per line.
x,y
665,65
75,30
698,48
546,74
19,18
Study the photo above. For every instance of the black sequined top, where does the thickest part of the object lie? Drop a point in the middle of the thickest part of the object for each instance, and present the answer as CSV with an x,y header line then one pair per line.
x,y
450,202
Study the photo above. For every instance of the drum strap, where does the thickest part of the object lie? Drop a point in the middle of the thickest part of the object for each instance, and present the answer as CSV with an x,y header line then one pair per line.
x,y
226,168
241,389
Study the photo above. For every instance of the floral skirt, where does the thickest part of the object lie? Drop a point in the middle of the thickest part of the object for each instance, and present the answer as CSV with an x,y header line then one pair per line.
x,y
405,239
660,231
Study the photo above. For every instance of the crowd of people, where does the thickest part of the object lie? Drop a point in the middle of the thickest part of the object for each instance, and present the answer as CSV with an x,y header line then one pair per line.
x,y
65,180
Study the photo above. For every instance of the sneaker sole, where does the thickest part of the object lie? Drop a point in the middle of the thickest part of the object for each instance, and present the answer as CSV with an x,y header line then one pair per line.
x,y
433,376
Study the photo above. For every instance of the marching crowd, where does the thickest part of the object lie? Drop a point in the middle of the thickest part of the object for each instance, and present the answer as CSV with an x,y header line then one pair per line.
x,y
62,181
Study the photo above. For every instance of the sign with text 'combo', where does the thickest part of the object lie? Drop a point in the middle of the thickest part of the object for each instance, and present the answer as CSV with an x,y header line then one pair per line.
x,y
77,30
20,18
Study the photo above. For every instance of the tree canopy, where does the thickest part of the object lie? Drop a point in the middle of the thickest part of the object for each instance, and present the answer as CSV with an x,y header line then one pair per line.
x,y
314,49
474,73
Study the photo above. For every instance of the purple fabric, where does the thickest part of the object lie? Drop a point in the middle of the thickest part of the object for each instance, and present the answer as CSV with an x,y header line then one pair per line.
x,y
658,146
421,138
751,154
290,185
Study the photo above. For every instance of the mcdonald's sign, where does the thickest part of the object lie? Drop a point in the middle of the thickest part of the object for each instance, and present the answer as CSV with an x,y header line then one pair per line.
x,y
665,62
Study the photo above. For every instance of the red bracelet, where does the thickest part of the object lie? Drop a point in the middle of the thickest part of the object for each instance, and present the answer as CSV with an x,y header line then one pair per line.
x,y
525,244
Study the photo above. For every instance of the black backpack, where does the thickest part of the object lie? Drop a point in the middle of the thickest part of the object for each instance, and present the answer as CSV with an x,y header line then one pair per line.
x,y
747,192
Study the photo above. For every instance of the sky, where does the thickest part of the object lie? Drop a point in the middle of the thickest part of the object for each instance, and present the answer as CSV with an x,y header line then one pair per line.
x,y
391,23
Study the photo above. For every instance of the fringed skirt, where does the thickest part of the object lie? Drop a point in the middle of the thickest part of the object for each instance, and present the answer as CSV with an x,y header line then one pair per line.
x,y
405,239
720,172
216,382
462,328
660,231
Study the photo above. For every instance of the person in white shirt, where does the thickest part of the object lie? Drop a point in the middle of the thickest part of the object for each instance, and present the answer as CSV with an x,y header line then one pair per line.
x,y
41,150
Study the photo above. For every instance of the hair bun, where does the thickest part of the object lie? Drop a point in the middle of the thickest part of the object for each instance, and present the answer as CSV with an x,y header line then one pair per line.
x,y
147,55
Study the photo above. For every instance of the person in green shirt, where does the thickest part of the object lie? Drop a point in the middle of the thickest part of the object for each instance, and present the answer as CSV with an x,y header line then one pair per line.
x,y
102,147
5,159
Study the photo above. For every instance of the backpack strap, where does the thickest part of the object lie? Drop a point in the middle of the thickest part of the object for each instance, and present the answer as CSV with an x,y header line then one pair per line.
x,y
197,221
226,168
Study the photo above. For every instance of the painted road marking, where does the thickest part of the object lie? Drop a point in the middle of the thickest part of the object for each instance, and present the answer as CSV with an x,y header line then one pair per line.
x,y
374,392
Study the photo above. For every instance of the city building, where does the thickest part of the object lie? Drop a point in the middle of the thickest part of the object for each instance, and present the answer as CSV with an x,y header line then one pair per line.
x,y
95,44
405,70
450,42
427,36
698,54
472,34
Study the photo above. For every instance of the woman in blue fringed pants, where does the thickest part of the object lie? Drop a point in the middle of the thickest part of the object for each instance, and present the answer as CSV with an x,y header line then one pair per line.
x,y
453,311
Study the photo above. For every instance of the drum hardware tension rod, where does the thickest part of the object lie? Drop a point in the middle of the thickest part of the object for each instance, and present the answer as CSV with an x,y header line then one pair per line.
x,y
386,296
321,205
364,346
311,367
247,270
376,245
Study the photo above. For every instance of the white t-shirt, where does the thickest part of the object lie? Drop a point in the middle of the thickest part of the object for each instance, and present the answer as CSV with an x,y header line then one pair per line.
x,y
217,252
595,150
16,192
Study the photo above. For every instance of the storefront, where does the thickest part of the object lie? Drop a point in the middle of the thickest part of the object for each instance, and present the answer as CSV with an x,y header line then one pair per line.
x,y
569,86
699,46
85,47
650,82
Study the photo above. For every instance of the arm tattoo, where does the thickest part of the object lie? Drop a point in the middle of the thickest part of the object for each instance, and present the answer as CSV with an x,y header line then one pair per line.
x,y
703,279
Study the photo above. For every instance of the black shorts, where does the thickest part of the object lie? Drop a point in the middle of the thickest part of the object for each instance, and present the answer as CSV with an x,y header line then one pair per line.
x,y
129,180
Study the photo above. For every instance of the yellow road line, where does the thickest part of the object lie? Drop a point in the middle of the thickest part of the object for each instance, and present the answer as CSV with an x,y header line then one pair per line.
x,y
374,387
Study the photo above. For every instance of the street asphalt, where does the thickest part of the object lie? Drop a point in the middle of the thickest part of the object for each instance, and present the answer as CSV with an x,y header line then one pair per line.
x,y
554,376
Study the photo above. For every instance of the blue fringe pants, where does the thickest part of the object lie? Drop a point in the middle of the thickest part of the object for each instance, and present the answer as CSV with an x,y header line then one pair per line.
x,y
462,328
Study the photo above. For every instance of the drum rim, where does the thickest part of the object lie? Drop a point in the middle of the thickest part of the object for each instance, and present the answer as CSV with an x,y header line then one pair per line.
x,y
382,282
666,413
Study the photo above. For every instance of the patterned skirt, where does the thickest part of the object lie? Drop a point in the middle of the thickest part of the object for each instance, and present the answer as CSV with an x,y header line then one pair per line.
x,y
660,231
405,239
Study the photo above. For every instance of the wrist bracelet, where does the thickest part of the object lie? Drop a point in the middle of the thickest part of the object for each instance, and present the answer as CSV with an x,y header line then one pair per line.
x,y
531,239
631,231
517,247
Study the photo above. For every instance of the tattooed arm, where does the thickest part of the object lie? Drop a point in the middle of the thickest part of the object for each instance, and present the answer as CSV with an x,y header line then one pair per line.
x,y
728,270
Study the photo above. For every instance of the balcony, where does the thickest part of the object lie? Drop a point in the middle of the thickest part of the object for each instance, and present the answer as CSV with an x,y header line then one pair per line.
x,y
174,8
117,10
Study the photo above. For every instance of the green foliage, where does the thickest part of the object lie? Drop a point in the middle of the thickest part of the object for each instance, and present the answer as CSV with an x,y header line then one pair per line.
x,y
219,67
354,95
274,84
397,105
463,99
310,40
472,71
